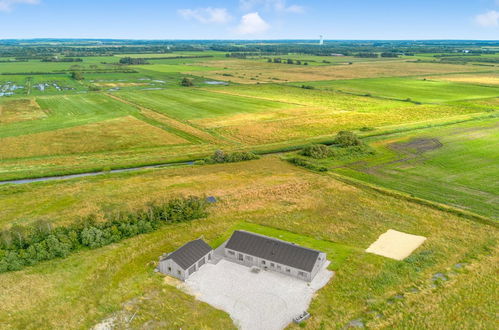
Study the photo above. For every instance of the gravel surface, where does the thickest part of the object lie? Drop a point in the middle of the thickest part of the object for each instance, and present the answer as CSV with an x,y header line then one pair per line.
x,y
264,301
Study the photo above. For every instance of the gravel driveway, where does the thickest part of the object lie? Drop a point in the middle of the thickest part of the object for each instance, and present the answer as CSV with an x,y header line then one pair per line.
x,y
263,301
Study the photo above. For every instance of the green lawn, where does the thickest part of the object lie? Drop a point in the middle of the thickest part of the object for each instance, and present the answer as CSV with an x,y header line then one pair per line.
x,y
416,89
194,103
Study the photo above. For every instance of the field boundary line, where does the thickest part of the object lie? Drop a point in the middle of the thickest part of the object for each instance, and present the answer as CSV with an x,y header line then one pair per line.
x,y
176,126
425,202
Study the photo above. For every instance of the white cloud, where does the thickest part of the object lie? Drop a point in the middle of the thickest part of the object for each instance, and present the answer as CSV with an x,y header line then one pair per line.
x,y
206,15
252,23
8,5
277,5
488,19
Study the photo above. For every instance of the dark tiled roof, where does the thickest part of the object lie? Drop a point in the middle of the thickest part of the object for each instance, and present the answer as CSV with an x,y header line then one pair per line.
x,y
190,253
273,250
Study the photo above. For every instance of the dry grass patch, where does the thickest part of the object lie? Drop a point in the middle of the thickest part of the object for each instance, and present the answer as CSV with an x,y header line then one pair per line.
x,y
480,79
121,133
90,286
241,71
308,122
20,110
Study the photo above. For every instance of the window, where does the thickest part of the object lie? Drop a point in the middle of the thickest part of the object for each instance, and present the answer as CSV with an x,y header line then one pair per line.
x,y
279,267
249,258
209,256
263,262
288,270
179,272
169,269
302,274
231,252
272,264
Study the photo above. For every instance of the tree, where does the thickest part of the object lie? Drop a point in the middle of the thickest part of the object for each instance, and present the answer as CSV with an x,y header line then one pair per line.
x,y
186,82
219,156
77,75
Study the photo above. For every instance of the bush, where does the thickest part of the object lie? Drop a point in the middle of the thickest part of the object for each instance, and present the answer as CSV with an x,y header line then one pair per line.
x,y
186,82
347,139
303,163
219,156
317,151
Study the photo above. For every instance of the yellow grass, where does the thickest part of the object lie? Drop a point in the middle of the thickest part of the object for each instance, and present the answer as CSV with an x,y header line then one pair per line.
x,y
85,288
121,133
481,79
307,122
243,71
20,110
203,135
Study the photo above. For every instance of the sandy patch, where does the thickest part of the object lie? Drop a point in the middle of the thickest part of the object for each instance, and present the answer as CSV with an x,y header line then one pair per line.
x,y
267,300
395,244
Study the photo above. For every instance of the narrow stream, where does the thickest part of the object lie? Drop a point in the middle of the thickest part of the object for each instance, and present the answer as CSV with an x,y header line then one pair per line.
x,y
79,175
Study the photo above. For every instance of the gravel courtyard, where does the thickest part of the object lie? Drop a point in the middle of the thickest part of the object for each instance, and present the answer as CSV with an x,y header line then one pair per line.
x,y
263,301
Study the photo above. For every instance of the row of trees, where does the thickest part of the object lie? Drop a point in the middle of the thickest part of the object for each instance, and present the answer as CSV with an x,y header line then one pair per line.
x,y
22,246
133,61
286,61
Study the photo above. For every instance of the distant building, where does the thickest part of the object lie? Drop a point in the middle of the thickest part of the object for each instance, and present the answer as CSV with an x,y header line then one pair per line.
x,y
185,261
321,40
273,254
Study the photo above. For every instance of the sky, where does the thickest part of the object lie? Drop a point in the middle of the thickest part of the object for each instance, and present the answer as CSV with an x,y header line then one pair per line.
x,y
250,19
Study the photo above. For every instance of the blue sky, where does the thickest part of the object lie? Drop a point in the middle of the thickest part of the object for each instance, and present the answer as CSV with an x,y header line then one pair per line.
x,y
250,19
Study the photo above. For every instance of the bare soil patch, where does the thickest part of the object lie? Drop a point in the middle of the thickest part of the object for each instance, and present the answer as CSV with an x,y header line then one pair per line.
x,y
395,244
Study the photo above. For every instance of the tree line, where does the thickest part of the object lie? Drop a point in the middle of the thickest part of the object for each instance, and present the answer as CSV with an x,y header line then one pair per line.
x,y
22,246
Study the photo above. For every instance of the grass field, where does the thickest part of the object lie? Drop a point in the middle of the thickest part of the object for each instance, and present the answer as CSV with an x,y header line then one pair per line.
x,y
417,89
454,165
433,127
188,104
123,133
90,286
242,71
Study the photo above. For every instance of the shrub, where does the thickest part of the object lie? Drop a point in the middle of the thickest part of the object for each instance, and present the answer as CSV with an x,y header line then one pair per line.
x,y
186,82
303,163
347,139
317,151
219,156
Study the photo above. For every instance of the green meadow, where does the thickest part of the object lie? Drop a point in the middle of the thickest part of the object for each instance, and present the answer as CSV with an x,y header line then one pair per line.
x,y
418,89
454,165
267,196
188,104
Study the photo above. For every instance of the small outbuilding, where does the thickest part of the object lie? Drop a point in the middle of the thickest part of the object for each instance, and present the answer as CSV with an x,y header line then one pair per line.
x,y
274,254
186,260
